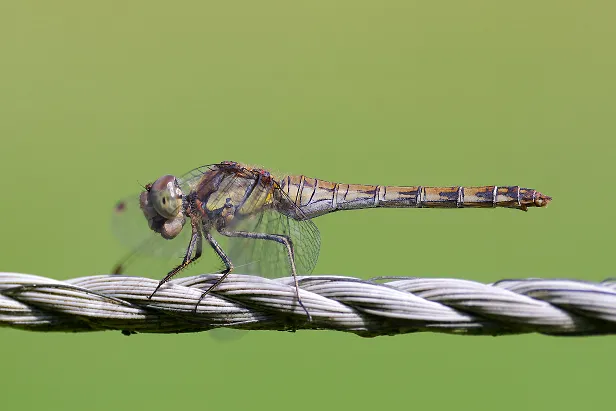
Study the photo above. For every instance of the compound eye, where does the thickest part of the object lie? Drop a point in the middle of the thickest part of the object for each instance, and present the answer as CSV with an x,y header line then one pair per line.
x,y
165,196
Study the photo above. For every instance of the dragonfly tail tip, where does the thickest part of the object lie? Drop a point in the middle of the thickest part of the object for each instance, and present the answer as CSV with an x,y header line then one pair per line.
x,y
542,200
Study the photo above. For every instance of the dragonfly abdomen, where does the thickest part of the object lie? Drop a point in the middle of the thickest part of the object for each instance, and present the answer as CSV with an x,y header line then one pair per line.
x,y
316,197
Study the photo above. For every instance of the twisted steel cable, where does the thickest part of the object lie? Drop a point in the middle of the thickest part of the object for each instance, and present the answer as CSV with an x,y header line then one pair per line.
x,y
368,308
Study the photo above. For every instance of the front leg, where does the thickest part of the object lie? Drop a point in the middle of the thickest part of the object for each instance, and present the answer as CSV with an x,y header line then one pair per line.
x,y
225,259
281,239
195,245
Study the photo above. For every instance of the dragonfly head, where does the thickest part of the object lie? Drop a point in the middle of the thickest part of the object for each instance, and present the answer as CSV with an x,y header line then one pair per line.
x,y
165,195
161,203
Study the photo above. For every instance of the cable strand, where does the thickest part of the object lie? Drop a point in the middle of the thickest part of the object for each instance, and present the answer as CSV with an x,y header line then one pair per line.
x,y
385,306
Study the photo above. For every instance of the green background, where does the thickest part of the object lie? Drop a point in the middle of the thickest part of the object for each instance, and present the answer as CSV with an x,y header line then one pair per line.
x,y
98,96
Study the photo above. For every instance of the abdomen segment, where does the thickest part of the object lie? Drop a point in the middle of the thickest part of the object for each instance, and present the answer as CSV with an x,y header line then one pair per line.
x,y
316,197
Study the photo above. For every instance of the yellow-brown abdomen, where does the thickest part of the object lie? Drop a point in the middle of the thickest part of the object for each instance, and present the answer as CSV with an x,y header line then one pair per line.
x,y
316,197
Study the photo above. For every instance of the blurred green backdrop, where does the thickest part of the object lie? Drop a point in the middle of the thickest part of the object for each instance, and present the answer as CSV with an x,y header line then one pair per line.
x,y
98,96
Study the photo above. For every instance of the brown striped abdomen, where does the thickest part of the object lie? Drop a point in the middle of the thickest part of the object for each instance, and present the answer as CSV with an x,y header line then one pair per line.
x,y
317,197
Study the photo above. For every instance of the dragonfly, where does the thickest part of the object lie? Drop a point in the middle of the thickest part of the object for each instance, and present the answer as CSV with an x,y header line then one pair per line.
x,y
268,221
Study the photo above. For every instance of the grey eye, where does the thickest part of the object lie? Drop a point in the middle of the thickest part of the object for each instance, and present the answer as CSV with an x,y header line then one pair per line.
x,y
166,197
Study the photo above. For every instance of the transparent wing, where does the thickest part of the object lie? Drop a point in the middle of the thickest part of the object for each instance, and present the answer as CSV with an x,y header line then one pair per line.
x,y
269,258
149,254
188,181
147,248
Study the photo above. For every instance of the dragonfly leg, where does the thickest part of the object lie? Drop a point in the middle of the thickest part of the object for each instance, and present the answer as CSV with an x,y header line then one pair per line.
x,y
286,242
225,259
195,245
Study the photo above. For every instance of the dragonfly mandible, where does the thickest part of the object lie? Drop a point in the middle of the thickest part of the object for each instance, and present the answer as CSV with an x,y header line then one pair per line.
x,y
268,221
